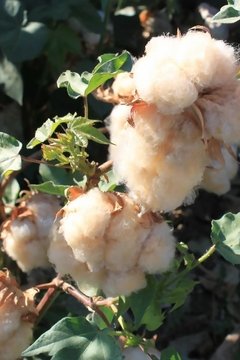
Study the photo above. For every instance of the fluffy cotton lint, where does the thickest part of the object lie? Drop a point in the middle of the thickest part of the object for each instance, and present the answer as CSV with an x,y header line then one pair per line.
x,y
124,86
161,82
218,179
161,158
26,236
110,233
221,112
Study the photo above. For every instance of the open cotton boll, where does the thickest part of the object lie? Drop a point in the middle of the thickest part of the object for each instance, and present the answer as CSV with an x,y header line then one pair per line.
x,y
62,257
85,222
209,63
12,348
124,86
221,112
117,238
218,180
164,84
158,251
159,166
16,310
26,236
124,283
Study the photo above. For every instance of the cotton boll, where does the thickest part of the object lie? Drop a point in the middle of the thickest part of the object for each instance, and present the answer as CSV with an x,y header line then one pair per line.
x,y
124,86
124,283
154,78
16,310
161,173
164,47
62,257
84,224
26,236
158,251
207,62
12,348
221,111
218,180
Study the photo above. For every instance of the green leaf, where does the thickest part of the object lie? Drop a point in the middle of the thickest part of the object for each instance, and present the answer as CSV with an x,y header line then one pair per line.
x,y
146,307
226,236
57,175
85,127
170,354
11,194
50,187
108,182
50,10
47,129
88,15
228,14
10,160
11,80
73,82
109,66
111,63
62,41
76,338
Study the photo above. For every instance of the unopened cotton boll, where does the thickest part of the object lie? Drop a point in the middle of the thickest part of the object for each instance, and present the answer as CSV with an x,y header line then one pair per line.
x,y
26,235
218,180
161,159
101,237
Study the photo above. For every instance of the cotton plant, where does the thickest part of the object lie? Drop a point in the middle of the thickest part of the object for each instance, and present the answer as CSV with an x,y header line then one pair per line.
x,y
174,129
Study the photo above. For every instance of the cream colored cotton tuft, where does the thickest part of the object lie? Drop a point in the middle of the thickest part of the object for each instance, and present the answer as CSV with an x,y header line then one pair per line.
x,y
26,236
100,240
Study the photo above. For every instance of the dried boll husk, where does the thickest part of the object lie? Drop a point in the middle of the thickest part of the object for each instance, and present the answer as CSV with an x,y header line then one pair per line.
x,y
217,177
26,235
104,238
17,314
160,158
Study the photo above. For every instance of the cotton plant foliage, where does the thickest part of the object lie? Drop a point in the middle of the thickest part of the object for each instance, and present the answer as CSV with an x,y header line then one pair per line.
x,y
186,100
27,234
17,314
107,243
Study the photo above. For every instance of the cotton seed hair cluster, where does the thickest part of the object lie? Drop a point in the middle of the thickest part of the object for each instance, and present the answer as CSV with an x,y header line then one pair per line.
x,y
186,94
17,313
27,235
107,243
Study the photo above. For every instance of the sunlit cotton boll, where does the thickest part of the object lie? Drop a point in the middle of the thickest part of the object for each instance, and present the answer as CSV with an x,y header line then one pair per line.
x,y
162,82
124,86
103,236
26,235
218,179
160,158
207,62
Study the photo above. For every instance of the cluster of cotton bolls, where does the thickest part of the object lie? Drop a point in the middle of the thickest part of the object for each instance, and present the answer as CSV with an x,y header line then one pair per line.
x,y
27,234
186,95
17,311
107,243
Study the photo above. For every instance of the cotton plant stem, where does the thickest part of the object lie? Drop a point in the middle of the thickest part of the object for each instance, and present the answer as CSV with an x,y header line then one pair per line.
x,y
46,302
58,284
205,256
